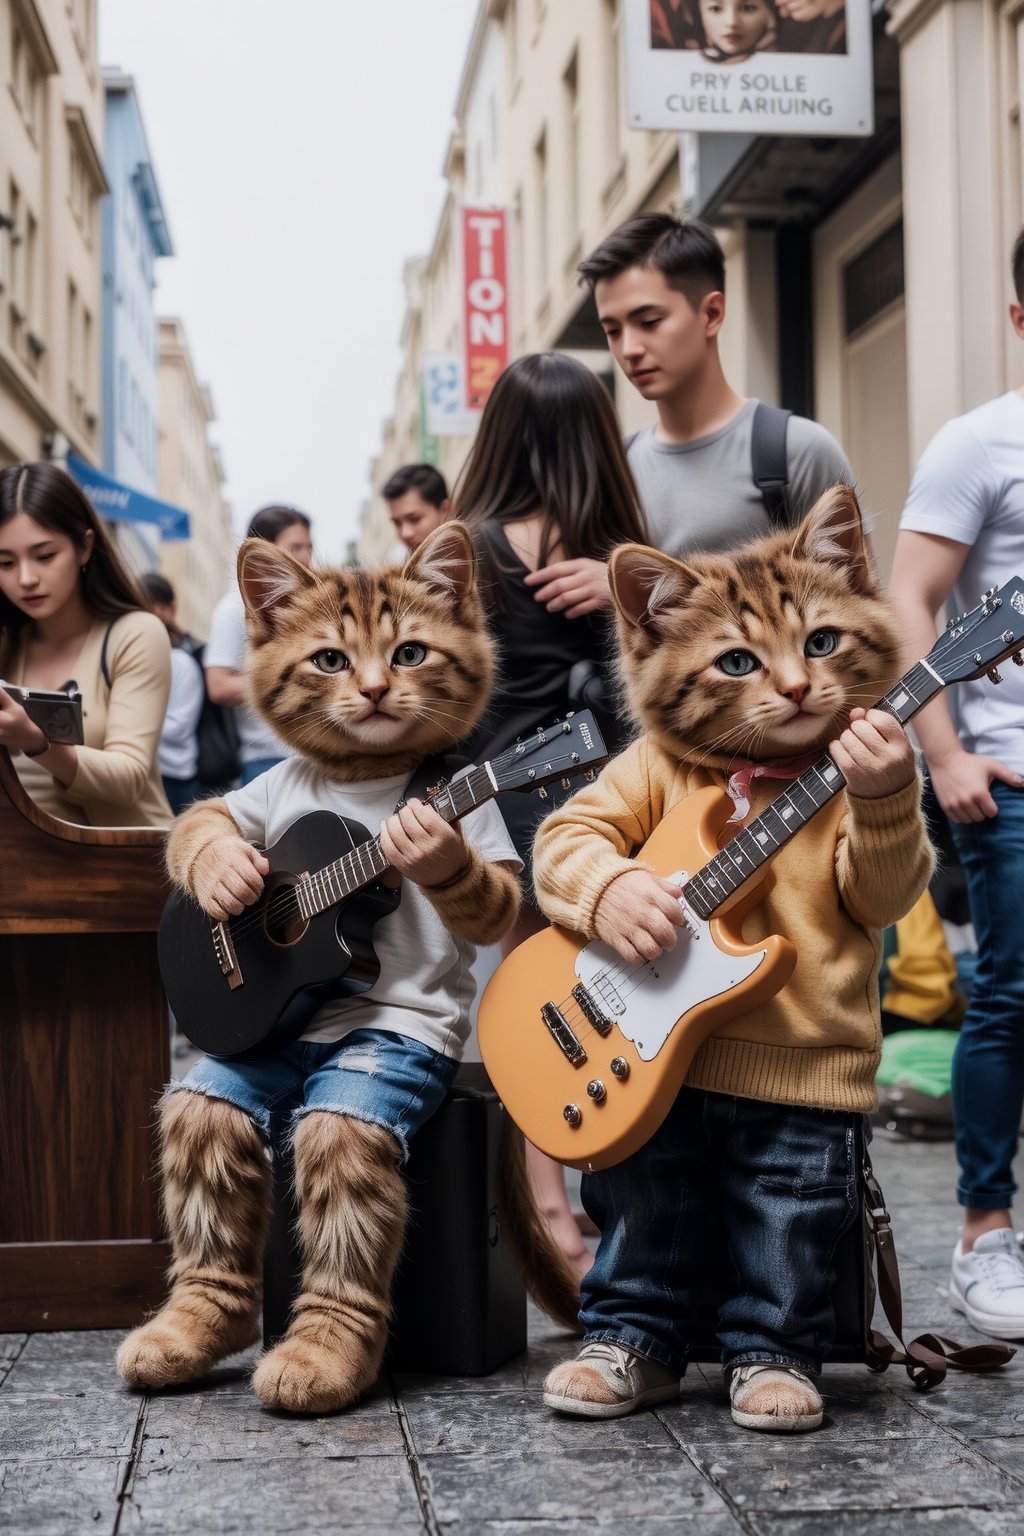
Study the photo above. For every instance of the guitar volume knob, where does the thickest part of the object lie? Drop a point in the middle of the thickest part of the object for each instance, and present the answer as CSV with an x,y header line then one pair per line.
x,y
596,1090
620,1068
572,1114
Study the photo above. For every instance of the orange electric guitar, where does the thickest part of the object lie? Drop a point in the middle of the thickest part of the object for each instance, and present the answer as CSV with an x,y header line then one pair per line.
x,y
588,1052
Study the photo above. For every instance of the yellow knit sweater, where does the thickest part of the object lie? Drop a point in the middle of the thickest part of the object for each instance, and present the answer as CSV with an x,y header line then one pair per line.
x,y
854,869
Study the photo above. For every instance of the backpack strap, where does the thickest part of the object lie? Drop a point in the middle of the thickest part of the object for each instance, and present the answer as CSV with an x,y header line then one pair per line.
x,y
627,442
768,464
104,663
927,1357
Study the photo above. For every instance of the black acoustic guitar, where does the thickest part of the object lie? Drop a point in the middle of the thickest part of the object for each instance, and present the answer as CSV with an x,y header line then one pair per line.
x,y
252,984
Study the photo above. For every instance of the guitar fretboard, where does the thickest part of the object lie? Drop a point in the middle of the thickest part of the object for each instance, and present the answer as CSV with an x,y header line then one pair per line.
x,y
366,862
753,846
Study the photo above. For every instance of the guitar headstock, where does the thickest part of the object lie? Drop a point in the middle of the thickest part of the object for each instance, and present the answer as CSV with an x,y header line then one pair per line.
x,y
974,643
571,747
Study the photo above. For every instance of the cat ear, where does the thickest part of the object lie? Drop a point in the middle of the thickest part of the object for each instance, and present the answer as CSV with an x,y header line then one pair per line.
x,y
444,561
271,583
647,584
833,533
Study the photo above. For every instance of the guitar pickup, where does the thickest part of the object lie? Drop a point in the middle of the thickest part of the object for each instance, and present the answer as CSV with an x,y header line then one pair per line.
x,y
563,1034
595,1018
227,959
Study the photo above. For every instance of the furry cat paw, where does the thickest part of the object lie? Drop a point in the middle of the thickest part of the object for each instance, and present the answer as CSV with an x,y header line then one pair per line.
x,y
301,1376
175,1347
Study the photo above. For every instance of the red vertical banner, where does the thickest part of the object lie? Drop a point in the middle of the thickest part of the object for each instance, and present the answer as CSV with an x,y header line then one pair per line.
x,y
486,301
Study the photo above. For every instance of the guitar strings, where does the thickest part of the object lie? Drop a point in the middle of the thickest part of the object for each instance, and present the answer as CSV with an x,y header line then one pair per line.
x,y
283,903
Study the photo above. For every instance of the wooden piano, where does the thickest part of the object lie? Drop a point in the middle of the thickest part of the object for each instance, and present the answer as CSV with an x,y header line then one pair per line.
x,y
84,1052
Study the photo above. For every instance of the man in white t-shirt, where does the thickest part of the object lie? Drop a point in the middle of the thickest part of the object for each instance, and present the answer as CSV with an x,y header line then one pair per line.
x,y
224,658
962,531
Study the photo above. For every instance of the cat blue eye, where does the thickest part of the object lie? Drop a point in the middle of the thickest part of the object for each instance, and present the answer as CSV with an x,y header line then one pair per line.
x,y
822,643
738,663
409,655
330,661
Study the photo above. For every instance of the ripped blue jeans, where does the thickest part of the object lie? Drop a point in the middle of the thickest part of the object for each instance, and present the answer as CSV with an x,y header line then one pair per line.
x,y
370,1074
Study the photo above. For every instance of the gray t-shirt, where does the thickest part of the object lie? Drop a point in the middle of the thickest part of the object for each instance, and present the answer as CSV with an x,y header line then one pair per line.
x,y
701,495
226,647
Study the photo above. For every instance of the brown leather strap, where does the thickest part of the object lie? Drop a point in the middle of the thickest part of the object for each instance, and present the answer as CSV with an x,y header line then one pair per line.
x,y
927,1357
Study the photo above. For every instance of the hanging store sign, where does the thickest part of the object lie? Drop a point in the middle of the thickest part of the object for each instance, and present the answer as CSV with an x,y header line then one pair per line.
x,y
751,66
486,301
446,413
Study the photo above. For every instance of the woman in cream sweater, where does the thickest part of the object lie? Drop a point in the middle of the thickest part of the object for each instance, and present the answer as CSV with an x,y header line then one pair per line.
x,y
69,609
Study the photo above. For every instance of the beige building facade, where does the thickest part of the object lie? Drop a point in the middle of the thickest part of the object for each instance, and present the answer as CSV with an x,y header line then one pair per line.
x,y
867,278
51,185
191,475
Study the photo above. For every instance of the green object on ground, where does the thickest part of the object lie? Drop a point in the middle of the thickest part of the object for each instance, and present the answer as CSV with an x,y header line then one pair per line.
x,y
919,1058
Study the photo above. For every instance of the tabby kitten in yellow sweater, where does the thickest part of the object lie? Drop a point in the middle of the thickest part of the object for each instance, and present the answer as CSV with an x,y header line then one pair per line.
x,y
364,675
741,669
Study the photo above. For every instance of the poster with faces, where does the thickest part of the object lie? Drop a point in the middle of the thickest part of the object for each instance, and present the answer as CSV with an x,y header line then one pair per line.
x,y
750,66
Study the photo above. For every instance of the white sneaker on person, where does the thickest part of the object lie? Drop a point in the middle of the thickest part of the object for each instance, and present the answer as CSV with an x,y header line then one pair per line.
x,y
781,1399
987,1284
606,1381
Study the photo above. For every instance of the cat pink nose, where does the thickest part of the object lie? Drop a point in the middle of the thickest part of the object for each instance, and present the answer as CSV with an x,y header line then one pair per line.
x,y
796,692
376,692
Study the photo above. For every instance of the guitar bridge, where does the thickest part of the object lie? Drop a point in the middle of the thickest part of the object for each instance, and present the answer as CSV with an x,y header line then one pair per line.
x,y
227,959
594,1017
563,1034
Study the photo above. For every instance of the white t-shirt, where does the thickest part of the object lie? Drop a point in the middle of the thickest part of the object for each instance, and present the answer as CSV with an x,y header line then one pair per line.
x,y
178,752
426,987
969,486
226,648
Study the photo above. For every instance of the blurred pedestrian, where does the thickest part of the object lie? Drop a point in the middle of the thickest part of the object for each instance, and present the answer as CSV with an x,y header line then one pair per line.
x,y
69,609
962,531
178,752
224,659
546,486
417,499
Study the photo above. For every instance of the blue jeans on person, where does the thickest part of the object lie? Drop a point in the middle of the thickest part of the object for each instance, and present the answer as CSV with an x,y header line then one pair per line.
x,y
371,1075
181,793
988,1064
782,1181
258,765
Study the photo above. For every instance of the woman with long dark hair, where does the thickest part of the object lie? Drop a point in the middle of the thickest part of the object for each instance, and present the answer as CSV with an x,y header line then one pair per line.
x,y
69,609
547,494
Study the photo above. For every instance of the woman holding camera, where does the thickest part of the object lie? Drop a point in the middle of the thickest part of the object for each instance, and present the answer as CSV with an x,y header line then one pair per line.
x,y
547,494
69,609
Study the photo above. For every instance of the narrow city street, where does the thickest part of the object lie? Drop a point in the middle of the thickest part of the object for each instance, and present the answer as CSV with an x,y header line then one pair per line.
x,y
81,1453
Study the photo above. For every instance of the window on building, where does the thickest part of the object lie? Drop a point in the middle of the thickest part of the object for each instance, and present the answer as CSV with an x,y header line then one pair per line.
x,y
874,279
72,342
540,178
611,26
571,106
16,304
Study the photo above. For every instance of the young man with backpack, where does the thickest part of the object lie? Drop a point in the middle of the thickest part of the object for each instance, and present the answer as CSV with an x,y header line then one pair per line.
x,y
715,469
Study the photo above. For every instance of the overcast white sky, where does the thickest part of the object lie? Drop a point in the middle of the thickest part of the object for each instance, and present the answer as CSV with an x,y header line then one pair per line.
x,y
298,145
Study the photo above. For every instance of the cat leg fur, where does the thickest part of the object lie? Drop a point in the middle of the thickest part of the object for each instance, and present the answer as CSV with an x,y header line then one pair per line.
x,y
216,1194
352,1214
192,832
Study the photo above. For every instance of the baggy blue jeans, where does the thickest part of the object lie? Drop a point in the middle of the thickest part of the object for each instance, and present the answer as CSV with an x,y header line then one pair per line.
x,y
782,1180
988,1065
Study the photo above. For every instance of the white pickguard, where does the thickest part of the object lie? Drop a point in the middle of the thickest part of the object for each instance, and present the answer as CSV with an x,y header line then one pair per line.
x,y
646,1001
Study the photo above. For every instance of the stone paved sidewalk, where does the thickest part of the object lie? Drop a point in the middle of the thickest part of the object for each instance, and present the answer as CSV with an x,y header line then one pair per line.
x,y
79,1453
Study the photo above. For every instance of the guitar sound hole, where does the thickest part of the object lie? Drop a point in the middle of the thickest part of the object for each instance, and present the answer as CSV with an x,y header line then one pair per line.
x,y
283,923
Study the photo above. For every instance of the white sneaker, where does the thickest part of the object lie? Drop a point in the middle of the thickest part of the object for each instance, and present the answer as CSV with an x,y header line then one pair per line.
x,y
778,1398
987,1284
606,1381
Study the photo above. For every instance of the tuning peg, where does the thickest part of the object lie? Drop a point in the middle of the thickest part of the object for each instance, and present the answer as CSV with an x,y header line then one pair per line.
x,y
1017,659
995,676
591,773
542,792
566,783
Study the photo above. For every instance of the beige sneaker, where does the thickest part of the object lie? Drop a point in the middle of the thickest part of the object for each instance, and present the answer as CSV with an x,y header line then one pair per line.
x,y
606,1381
778,1398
